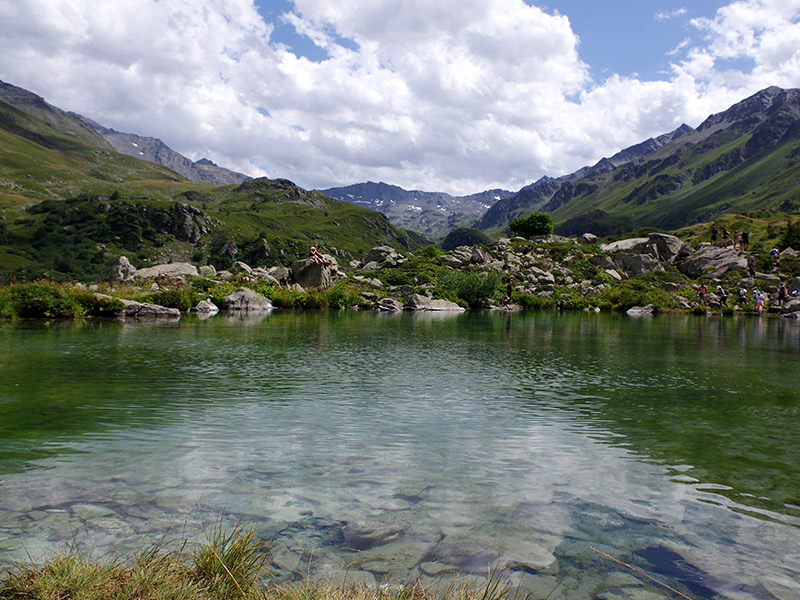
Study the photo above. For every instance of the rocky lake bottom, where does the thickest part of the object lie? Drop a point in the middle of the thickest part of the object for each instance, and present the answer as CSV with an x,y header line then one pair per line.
x,y
384,448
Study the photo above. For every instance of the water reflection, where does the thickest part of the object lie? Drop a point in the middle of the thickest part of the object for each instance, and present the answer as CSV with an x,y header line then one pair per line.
x,y
462,439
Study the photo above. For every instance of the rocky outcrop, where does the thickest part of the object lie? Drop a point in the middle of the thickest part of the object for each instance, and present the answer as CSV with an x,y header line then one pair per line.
x,y
143,310
122,271
310,274
381,257
387,305
636,264
420,302
247,300
177,269
712,261
205,307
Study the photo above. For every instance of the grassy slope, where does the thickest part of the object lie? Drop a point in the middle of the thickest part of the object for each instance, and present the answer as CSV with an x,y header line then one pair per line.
x,y
766,181
39,163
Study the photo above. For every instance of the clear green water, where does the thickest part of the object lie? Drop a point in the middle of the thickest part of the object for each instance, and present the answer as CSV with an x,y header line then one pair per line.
x,y
411,445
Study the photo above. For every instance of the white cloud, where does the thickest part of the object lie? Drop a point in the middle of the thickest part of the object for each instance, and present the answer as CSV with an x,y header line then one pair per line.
x,y
665,15
453,95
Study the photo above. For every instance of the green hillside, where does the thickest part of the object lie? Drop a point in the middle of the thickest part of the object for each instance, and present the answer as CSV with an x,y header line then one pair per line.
x,y
676,187
744,159
69,207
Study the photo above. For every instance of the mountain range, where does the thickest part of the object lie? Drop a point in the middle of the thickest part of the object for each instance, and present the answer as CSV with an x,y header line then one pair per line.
x,y
739,160
70,205
433,214
145,148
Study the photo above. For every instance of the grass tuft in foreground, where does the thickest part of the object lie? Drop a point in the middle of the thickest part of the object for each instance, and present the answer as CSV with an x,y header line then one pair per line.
x,y
228,565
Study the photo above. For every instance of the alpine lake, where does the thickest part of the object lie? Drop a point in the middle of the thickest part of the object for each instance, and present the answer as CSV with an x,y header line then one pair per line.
x,y
384,448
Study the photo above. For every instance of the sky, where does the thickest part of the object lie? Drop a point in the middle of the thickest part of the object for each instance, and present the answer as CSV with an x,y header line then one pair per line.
x,y
455,96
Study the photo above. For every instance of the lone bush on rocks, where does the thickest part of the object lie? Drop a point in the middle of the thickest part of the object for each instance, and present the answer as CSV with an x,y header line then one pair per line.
x,y
537,223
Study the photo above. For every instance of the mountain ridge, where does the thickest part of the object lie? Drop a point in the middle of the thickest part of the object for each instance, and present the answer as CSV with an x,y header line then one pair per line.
x,y
740,159
432,214
146,148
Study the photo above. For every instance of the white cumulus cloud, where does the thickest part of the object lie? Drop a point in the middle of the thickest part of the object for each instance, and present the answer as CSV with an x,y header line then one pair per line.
x,y
452,95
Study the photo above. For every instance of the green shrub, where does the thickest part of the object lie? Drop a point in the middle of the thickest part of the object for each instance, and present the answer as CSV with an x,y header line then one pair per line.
x,y
41,300
429,252
791,236
396,277
537,223
182,298
633,292
344,296
99,307
474,289
533,301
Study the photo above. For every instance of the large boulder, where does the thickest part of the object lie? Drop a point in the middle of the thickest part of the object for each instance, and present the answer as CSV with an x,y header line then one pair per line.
x,y
420,302
176,269
122,271
387,305
711,261
310,274
246,299
636,264
791,306
281,274
665,247
133,309
631,246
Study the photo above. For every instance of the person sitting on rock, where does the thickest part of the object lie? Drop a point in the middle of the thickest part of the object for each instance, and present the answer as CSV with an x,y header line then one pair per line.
x,y
317,256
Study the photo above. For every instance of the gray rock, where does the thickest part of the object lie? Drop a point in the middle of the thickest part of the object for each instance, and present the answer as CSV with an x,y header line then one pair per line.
x,y
310,274
246,299
262,274
207,271
631,245
241,268
177,269
387,305
366,535
711,261
636,264
420,302
588,238
281,274
449,260
642,310
206,307
791,306
133,309
668,248
229,249
793,285
380,254
122,271
602,262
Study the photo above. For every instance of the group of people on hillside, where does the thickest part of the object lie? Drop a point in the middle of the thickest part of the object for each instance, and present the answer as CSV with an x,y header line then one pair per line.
x,y
741,239
759,298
